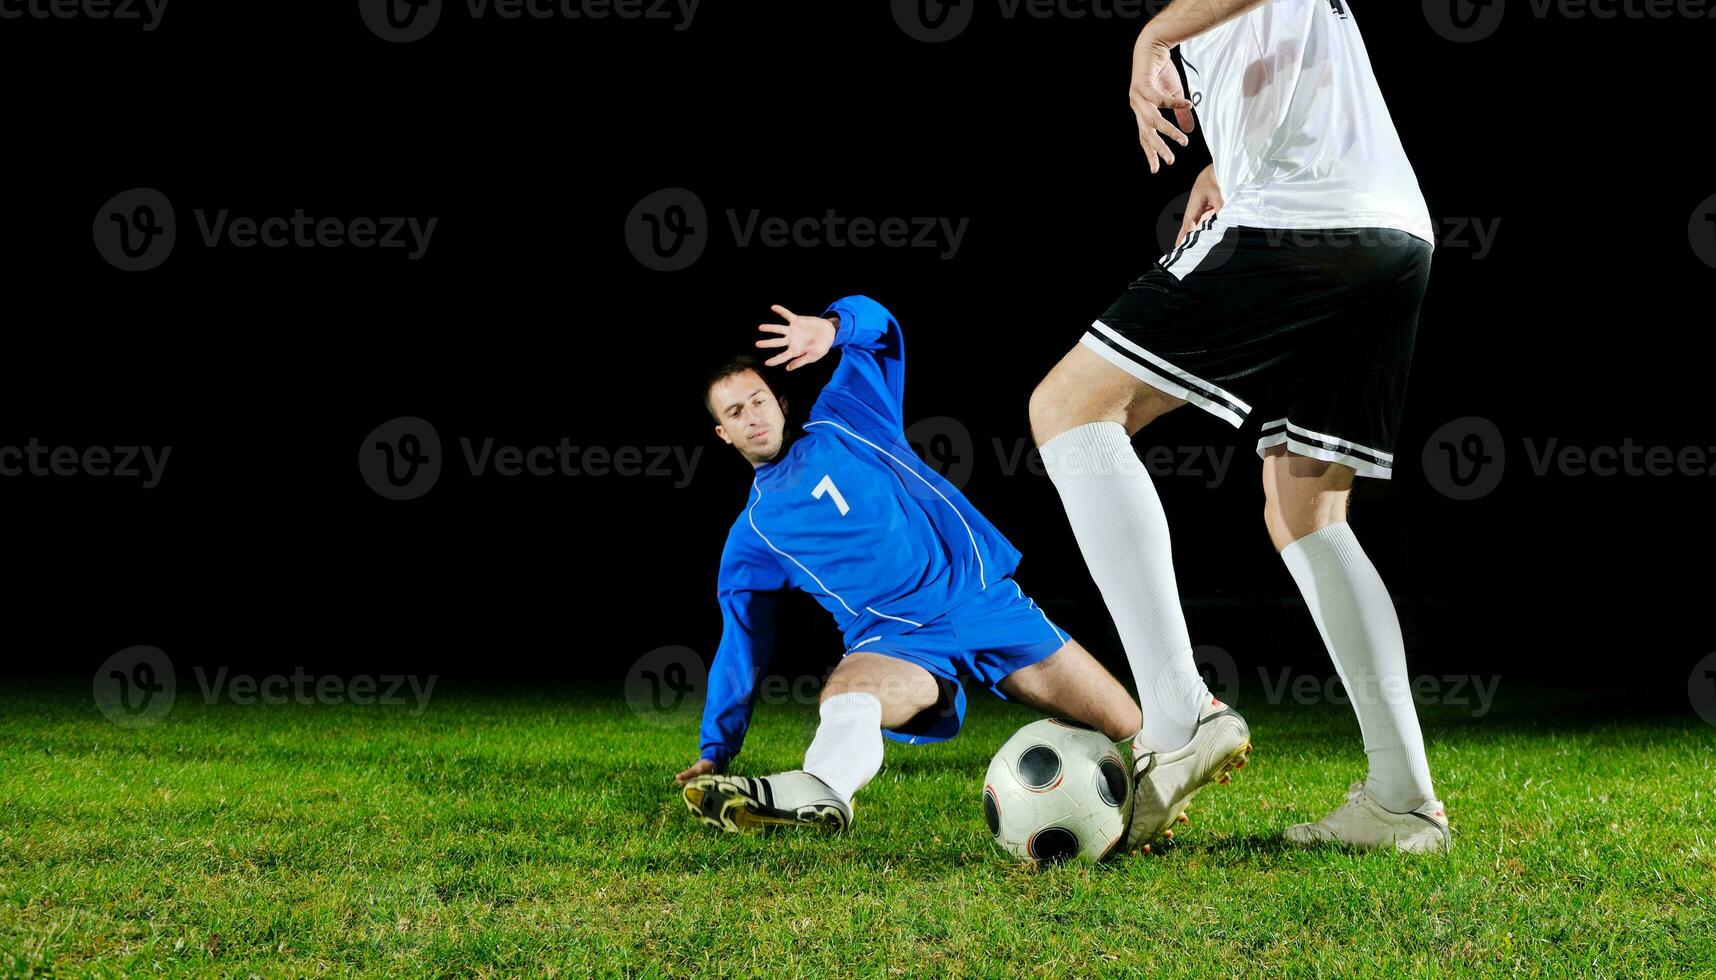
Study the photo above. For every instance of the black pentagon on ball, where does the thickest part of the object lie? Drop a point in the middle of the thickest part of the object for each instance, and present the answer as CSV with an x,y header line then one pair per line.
x,y
1111,782
1039,766
991,812
1053,844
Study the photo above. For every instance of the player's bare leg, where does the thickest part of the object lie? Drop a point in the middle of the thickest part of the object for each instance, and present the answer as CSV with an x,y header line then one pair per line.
x,y
1306,512
1083,416
866,693
1072,684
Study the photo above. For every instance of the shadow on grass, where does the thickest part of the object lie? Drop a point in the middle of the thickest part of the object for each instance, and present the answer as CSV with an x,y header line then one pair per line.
x,y
1267,844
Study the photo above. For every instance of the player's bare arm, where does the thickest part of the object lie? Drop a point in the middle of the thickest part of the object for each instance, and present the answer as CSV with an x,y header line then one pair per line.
x,y
1155,81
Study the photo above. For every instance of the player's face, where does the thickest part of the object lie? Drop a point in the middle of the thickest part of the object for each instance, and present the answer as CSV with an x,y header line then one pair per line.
x,y
748,417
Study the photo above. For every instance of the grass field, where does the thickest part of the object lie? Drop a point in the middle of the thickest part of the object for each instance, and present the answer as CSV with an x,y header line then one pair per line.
x,y
507,834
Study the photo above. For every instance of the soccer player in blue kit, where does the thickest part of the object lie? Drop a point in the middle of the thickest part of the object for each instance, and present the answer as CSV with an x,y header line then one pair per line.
x,y
918,581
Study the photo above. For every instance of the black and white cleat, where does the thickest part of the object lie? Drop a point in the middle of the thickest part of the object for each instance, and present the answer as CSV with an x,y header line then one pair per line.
x,y
788,799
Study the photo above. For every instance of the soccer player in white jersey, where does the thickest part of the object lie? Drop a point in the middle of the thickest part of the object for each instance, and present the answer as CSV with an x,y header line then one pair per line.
x,y
1291,296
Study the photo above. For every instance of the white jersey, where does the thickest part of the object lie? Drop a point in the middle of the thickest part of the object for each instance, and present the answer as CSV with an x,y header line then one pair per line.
x,y
1296,124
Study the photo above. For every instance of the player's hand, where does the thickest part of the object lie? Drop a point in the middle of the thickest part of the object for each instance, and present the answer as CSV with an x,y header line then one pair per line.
x,y
702,767
1204,200
1156,86
805,339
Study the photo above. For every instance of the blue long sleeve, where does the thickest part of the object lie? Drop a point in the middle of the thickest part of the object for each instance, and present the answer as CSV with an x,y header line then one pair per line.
x,y
872,368
749,581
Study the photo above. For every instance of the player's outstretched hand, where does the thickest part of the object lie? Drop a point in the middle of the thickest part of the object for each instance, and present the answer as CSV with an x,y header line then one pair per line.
x,y
1156,86
702,767
1205,199
805,338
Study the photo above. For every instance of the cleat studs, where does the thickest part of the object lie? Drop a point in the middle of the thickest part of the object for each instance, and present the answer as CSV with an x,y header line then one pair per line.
x,y
1167,835
1184,819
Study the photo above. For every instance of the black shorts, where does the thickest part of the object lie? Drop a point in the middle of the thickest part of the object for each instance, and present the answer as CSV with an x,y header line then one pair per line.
x,y
1309,331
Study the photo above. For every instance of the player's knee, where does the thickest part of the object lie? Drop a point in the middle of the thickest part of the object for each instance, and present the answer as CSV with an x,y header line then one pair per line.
x,y
1057,406
910,692
901,688
1288,521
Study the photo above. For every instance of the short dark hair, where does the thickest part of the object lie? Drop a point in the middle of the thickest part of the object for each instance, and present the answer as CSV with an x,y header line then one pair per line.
x,y
726,369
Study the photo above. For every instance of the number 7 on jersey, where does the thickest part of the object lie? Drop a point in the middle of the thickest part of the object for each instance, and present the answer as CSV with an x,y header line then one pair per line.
x,y
827,486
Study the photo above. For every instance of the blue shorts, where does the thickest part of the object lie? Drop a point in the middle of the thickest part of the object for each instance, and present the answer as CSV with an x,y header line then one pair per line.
x,y
985,638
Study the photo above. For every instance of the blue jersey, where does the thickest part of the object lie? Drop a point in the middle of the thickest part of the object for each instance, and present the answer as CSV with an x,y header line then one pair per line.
x,y
849,514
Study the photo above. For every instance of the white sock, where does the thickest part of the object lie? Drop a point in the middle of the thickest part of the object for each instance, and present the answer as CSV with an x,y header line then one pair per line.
x,y
1357,620
1123,533
847,750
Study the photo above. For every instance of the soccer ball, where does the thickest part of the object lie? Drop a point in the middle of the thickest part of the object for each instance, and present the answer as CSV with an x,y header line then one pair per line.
x,y
1057,790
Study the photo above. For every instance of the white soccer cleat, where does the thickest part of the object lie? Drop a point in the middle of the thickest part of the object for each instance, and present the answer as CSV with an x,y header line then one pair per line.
x,y
1362,822
788,799
1165,782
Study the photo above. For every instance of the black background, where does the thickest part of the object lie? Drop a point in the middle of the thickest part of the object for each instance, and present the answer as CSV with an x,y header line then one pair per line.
x,y
529,319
